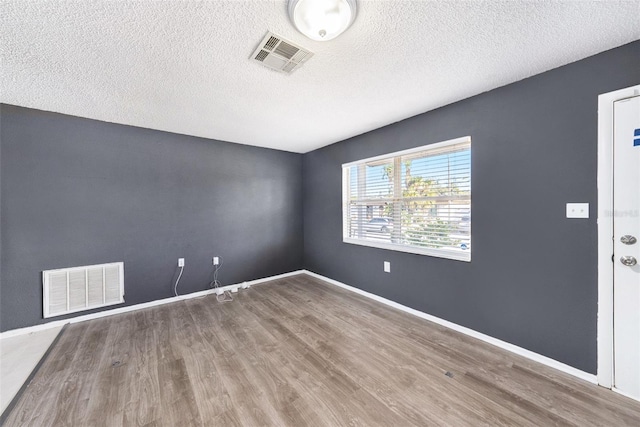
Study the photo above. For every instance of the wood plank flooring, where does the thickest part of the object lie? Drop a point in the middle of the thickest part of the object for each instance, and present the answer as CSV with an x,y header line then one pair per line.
x,y
19,355
298,352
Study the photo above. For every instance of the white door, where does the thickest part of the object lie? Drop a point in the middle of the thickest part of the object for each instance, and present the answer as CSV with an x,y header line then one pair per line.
x,y
626,235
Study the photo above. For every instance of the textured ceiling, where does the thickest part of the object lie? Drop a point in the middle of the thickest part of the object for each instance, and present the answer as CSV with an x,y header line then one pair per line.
x,y
184,66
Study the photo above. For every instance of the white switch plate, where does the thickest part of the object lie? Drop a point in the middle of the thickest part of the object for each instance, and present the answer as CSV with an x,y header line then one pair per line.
x,y
387,267
577,210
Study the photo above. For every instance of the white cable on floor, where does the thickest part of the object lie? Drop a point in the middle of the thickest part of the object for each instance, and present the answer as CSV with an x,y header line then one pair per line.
x,y
175,287
226,295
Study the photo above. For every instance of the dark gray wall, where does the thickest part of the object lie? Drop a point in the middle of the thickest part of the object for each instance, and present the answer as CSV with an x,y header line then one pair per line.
x,y
532,280
79,192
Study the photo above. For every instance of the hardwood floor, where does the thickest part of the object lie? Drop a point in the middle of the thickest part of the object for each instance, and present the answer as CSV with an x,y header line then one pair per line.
x,y
19,355
298,352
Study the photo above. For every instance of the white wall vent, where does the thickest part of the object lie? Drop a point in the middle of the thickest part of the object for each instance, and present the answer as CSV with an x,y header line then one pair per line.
x,y
281,55
68,290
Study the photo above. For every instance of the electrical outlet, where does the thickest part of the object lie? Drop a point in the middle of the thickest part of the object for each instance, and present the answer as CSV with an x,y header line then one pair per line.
x,y
216,260
180,262
387,267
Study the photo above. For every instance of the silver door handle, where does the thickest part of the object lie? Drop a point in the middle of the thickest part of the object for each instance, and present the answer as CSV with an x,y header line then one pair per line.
x,y
629,261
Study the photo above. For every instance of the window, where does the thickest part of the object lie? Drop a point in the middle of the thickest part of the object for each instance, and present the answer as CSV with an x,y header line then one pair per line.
x,y
416,200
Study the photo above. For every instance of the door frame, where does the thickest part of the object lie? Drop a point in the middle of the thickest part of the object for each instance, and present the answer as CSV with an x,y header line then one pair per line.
x,y
605,231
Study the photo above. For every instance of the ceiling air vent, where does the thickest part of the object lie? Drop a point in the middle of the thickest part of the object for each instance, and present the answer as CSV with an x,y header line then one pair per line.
x,y
281,55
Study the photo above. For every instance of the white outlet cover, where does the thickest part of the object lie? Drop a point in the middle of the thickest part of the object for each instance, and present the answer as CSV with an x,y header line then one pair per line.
x,y
387,267
577,210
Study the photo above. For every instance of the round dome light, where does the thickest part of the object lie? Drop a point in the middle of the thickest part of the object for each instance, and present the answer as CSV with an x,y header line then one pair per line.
x,y
322,20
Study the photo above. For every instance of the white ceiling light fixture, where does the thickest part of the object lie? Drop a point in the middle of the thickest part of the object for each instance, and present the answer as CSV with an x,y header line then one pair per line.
x,y
322,20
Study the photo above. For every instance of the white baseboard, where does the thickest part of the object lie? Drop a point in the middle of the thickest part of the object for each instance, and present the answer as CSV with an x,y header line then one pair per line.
x,y
475,334
83,318
622,393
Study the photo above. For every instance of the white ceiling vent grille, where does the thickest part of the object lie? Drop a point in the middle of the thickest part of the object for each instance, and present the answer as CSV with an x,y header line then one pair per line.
x,y
281,55
68,290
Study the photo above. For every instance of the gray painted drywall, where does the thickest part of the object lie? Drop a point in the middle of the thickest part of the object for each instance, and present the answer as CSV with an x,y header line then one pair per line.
x,y
80,192
532,280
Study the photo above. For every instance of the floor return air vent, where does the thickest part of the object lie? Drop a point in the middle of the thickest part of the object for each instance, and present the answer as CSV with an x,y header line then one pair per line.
x,y
281,55
68,290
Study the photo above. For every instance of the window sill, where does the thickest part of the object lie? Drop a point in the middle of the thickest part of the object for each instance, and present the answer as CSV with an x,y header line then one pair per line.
x,y
456,255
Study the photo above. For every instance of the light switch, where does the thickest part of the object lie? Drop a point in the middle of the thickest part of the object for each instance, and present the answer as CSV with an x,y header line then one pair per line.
x,y
577,210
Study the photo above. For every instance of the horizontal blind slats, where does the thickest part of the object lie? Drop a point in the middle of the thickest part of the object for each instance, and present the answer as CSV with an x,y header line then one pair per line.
x,y
431,207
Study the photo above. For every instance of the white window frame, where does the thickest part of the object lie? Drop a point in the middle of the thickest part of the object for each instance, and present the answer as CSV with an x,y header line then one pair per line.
x,y
394,157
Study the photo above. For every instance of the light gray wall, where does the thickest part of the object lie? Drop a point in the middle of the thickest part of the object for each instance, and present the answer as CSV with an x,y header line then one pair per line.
x,y
79,192
532,279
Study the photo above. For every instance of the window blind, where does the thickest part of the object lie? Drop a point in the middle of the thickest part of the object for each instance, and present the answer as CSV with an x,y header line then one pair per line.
x,y
416,200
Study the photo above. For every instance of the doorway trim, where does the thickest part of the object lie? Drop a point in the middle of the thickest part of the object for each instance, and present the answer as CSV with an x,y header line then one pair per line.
x,y
605,231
